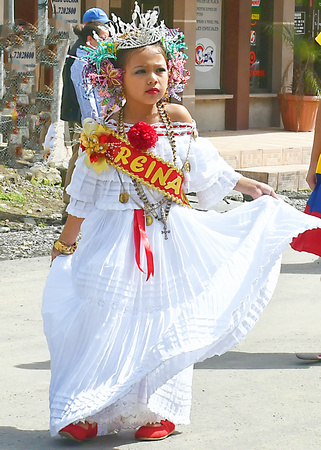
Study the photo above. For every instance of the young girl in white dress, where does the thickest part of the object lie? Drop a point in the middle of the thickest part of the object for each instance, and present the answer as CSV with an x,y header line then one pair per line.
x,y
154,286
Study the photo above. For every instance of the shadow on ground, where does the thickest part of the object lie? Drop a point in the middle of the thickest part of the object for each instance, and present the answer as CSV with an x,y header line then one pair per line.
x,y
255,361
304,268
228,361
12,438
39,365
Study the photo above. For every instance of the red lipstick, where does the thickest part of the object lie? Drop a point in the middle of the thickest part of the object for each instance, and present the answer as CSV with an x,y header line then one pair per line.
x,y
152,91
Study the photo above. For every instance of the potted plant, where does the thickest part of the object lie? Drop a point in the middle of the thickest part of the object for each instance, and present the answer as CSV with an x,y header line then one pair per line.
x,y
299,100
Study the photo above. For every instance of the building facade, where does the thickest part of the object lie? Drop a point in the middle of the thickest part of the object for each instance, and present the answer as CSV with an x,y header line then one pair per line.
x,y
236,65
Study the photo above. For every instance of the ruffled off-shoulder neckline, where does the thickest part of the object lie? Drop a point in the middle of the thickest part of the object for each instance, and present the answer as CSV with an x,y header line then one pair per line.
x,y
179,127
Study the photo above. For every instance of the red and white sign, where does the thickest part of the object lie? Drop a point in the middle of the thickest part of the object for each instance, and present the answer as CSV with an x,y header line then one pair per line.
x,y
253,37
252,58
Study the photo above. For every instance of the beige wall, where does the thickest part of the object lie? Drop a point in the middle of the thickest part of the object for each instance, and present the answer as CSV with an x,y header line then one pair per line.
x,y
210,112
103,4
210,115
262,107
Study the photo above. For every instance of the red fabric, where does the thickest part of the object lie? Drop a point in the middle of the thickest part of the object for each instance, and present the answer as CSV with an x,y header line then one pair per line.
x,y
310,240
141,235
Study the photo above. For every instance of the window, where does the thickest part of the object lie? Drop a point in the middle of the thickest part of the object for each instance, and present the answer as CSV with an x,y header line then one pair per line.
x,y
261,46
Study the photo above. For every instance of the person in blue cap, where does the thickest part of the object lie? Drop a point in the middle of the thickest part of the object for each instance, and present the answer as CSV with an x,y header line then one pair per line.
x,y
70,109
94,14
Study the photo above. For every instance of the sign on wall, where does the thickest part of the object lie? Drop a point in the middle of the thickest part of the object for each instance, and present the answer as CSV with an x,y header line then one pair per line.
x,y
208,44
69,10
299,22
23,59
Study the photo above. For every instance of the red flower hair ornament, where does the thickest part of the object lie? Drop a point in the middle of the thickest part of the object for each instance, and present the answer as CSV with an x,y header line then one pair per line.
x,y
142,136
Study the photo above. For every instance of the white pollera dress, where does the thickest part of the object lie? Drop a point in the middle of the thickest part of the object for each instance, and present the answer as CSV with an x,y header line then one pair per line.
x,y
122,348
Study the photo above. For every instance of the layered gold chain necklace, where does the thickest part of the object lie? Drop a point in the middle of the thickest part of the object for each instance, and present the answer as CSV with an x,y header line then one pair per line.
x,y
159,209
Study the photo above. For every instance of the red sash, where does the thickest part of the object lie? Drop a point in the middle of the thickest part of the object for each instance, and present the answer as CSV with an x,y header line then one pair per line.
x,y
145,167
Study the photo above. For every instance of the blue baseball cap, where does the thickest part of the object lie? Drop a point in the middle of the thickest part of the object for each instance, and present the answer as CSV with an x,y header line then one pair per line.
x,y
95,14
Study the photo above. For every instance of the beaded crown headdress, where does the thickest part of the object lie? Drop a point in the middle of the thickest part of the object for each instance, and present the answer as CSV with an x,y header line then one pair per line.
x,y
141,32
144,30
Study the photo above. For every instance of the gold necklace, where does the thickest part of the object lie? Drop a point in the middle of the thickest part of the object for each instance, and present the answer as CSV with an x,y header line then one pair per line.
x,y
169,127
123,196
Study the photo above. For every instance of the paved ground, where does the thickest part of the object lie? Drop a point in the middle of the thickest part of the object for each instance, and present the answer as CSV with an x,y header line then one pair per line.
x,y
259,138
258,396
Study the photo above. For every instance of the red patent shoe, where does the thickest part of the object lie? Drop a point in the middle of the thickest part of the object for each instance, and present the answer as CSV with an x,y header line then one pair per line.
x,y
154,433
92,430
78,432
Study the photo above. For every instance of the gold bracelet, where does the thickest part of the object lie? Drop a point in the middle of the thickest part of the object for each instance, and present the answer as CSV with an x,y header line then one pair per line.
x,y
63,248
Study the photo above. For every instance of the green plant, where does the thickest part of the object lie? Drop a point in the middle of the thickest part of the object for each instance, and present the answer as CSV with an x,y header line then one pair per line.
x,y
12,197
305,79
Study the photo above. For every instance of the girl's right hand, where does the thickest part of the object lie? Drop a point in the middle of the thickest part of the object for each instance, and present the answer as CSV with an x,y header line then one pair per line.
x,y
54,254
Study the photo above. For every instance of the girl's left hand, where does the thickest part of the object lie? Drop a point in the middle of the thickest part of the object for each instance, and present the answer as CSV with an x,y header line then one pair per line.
x,y
254,188
263,189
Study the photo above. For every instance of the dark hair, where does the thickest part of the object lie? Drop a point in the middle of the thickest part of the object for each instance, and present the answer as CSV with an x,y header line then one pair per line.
x,y
82,31
122,55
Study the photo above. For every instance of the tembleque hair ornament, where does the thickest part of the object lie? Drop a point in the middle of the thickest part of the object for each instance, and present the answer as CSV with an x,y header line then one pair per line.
x,y
100,72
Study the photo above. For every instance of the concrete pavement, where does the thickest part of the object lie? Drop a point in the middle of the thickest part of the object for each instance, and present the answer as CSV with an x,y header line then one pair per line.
x,y
258,138
258,396
274,156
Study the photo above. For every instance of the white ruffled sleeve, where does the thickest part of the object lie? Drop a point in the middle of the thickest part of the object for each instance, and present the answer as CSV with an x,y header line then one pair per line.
x,y
83,189
211,178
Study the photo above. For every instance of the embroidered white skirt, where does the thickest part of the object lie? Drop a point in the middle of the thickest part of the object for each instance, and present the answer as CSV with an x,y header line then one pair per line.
x,y
122,348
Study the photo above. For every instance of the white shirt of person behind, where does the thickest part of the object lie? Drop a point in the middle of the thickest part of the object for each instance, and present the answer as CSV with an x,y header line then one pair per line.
x,y
89,101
